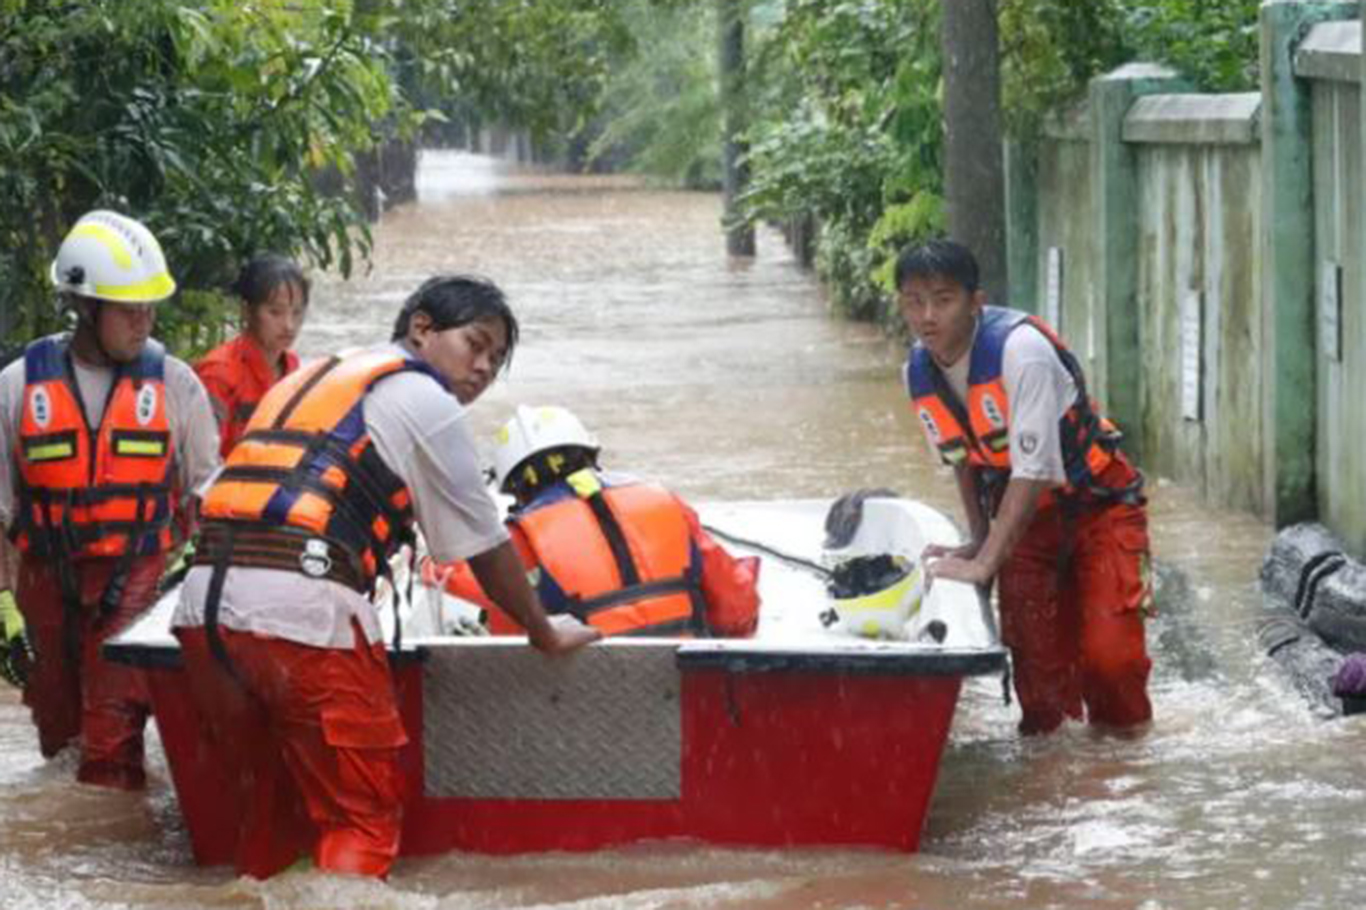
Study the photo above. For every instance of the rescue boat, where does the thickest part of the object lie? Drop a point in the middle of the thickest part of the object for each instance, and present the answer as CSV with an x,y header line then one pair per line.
x,y
803,735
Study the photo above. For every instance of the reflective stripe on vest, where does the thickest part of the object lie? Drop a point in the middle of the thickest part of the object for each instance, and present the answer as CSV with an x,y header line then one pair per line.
x,y
978,434
307,463
100,492
650,585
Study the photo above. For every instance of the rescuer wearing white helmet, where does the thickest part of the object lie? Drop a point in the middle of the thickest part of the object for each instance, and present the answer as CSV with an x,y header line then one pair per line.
x,y
106,438
624,556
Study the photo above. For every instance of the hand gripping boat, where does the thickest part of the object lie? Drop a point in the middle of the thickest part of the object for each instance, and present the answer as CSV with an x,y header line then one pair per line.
x,y
799,736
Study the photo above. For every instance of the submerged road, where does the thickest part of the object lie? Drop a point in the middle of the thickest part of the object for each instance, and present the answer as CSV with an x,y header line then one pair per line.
x,y
729,381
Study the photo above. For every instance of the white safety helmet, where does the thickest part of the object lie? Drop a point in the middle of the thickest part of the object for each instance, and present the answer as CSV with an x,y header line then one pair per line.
x,y
532,430
109,256
875,597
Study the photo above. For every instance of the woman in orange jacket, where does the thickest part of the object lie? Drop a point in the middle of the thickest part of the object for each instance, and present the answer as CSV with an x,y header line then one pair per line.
x,y
237,373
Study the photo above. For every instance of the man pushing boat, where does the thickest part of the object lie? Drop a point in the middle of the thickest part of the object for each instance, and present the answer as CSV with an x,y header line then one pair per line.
x,y
1055,511
281,640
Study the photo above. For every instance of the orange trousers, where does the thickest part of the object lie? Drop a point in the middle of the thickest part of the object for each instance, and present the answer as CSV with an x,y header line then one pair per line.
x,y
1072,596
311,736
73,691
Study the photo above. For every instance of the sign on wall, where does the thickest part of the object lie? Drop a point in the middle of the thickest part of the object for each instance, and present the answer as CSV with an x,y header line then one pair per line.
x,y
1192,361
1330,310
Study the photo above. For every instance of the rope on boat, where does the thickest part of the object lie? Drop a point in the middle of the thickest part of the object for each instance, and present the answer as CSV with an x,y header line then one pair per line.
x,y
798,561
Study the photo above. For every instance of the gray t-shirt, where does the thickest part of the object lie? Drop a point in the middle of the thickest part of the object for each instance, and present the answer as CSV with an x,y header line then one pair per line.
x,y
421,434
1039,391
194,433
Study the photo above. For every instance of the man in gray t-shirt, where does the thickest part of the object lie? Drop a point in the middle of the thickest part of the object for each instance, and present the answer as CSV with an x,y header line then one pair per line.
x,y
281,642
106,438
1056,512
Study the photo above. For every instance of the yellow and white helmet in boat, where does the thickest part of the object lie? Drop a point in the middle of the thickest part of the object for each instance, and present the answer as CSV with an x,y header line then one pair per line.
x,y
875,596
533,430
109,256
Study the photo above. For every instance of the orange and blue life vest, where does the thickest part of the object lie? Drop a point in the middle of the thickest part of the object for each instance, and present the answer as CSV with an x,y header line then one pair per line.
x,y
618,555
93,490
977,433
305,489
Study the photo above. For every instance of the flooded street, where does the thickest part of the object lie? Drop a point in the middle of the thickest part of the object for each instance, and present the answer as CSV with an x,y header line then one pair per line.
x,y
731,381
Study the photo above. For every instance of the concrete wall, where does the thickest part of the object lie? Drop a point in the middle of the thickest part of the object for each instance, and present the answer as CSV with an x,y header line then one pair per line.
x,y
1199,215
1066,226
1340,364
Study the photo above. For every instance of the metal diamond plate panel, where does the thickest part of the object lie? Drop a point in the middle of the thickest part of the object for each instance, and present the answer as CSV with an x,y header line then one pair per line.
x,y
504,722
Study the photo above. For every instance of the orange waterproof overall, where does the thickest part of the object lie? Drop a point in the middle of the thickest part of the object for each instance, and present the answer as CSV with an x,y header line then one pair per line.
x,y
93,525
322,724
1073,590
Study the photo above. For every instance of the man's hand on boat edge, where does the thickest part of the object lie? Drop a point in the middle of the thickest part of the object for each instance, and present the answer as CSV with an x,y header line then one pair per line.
x,y
955,564
563,634
503,578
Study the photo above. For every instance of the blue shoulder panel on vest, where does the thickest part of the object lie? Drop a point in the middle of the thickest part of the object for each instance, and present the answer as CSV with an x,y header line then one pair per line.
x,y
919,375
45,359
988,349
151,363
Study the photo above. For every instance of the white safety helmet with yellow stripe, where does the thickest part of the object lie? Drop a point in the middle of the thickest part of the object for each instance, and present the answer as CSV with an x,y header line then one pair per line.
x,y
108,256
875,596
534,430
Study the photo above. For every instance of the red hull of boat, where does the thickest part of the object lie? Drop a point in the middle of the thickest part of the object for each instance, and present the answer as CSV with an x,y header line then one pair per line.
x,y
768,759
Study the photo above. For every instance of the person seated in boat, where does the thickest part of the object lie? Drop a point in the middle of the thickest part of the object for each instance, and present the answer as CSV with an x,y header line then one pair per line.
x,y
1056,512
274,297
106,438
340,463
625,556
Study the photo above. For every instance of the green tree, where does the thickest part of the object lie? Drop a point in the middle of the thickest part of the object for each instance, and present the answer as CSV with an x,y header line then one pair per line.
x,y
206,120
848,131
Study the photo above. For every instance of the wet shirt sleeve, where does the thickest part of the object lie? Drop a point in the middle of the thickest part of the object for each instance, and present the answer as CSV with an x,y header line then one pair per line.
x,y
193,428
11,399
421,433
1040,391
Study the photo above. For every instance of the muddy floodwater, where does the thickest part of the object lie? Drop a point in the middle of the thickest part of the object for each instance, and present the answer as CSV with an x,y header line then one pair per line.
x,y
730,380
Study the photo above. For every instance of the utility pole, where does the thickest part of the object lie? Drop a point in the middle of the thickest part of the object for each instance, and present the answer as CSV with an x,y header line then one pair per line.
x,y
974,179
730,17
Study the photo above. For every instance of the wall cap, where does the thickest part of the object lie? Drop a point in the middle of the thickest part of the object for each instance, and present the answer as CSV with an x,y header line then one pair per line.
x,y
1190,119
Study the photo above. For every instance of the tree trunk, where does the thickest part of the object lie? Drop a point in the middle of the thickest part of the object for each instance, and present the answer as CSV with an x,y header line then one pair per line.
x,y
974,181
734,170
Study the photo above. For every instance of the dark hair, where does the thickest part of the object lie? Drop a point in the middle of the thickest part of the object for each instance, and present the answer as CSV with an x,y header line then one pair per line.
x,y
263,274
942,258
451,301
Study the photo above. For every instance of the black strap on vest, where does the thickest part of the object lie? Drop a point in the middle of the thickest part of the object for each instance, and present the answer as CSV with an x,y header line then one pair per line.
x,y
632,588
616,539
118,581
222,558
288,410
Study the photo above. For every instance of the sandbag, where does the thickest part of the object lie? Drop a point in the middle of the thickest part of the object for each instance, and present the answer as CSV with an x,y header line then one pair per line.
x,y
1337,607
1307,662
1299,556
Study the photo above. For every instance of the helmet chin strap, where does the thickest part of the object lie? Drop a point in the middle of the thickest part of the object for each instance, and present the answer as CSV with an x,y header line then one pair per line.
x,y
87,318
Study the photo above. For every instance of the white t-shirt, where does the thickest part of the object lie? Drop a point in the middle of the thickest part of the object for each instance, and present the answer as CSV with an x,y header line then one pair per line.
x,y
420,432
194,432
1039,391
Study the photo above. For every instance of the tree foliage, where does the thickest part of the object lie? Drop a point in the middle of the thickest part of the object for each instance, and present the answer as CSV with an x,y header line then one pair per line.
x,y
848,130
205,120
211,120
660,112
